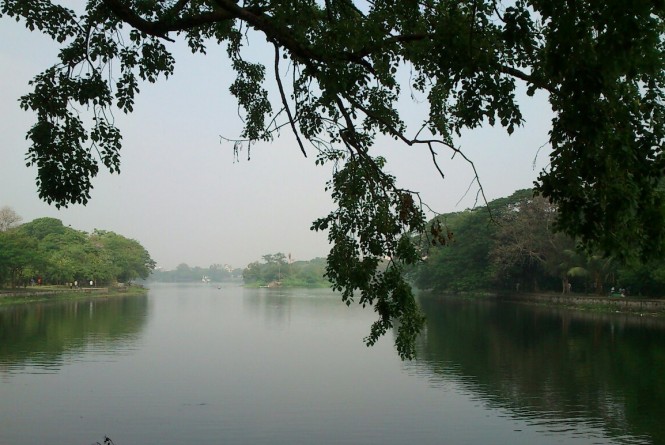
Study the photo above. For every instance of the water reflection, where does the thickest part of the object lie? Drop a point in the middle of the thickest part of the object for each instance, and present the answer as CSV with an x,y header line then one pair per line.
x,y
561,370
276,307
270,366
271,305
46,335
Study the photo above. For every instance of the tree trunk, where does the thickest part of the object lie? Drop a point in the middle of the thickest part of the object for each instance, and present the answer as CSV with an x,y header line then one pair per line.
x,y
599,284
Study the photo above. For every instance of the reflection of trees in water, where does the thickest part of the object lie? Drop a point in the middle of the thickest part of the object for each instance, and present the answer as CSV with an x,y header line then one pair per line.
x,y
544,363
271,305
275,306
42,334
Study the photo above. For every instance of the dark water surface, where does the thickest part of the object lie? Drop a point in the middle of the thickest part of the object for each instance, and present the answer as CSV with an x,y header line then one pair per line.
x,y
201,365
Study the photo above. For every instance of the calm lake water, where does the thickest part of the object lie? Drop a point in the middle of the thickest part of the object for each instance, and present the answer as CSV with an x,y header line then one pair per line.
x,y
201,365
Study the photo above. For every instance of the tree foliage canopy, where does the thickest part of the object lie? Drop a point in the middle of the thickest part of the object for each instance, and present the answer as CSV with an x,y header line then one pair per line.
x,y
44,248
523,253
599,63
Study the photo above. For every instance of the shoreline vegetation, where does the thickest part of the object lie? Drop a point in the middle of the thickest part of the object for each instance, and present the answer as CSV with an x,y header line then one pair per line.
x,y
46,254
281,270
583,302
578,302
40,294
520,252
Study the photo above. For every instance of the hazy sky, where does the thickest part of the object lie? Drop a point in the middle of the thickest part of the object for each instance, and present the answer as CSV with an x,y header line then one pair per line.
x,y
185,198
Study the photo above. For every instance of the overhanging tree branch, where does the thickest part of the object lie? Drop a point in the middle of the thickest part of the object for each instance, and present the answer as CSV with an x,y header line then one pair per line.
x,y
172,22
285,102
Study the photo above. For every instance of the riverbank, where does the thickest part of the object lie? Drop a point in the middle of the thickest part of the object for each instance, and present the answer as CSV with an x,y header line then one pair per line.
x,y
36,294
590,302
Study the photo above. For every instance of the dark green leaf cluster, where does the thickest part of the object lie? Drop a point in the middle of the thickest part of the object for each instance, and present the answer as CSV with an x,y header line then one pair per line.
x,y
254,100
68,142
606,63
370,248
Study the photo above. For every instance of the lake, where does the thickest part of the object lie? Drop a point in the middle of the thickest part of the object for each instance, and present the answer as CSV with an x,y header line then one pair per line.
x,y
198,364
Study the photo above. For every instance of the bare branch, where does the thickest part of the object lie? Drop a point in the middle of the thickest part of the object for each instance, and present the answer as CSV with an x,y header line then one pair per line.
x,y
436,164
393,131
285,102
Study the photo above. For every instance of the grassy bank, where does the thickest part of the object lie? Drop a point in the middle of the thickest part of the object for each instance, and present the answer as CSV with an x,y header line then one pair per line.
x,y
37,294
578,302
593,303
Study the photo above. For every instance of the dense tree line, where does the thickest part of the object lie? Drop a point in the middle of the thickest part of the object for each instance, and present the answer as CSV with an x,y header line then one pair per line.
x,y
184,273
281,270
515,248
44,251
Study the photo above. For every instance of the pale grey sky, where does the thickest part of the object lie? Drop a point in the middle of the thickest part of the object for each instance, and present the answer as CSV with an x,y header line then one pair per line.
x,y
183,197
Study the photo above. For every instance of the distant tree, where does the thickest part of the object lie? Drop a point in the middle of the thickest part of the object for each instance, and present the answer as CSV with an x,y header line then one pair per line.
x,y
131,260
273,269
276,268
527,249
183,273
275,258
40,228
308,273
463,264
601,65
44,248
8,218
519,250
599,271
62,267
217,273
18,253
67,255
641,279
251,273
